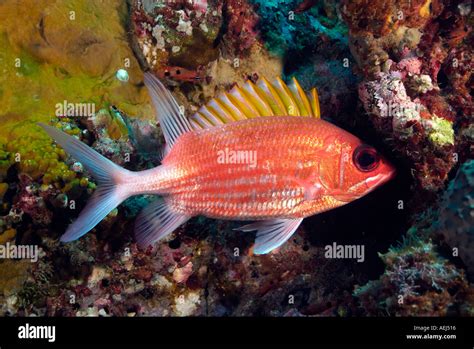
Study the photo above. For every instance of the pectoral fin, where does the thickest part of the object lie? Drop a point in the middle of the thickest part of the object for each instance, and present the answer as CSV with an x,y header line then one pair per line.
x,y
271,233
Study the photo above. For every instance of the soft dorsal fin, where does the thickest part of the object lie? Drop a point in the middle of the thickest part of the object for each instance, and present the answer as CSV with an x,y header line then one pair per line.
x,y
172,120
251,101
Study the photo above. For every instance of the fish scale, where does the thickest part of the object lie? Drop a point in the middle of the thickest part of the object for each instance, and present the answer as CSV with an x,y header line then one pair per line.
x,y
293,167
280,144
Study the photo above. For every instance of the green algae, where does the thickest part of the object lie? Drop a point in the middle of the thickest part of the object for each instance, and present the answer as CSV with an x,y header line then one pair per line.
x,y
51,59
442,131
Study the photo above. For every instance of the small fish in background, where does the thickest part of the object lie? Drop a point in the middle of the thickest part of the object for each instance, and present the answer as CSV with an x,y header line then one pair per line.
x,y
305,5
259,152
181,74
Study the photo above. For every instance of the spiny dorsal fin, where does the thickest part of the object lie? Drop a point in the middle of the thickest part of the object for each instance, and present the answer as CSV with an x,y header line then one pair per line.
x,y
251,101
172,120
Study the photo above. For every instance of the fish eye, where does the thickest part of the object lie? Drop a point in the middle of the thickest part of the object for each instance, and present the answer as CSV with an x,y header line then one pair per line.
x,y
366,158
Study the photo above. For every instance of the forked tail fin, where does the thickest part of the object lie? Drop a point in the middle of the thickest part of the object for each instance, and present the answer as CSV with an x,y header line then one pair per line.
x,y
113,183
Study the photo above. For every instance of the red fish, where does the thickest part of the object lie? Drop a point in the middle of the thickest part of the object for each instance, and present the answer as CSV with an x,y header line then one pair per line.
x,y
260,152
181,74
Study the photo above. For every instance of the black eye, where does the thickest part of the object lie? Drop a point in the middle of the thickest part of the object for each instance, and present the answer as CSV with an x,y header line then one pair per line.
x,y
366,158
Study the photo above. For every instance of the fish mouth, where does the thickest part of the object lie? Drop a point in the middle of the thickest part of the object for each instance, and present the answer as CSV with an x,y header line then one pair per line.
x,y
367,186
379,179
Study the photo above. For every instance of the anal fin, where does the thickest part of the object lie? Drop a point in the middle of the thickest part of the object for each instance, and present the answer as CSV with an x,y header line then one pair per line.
x,y
271,233
156,221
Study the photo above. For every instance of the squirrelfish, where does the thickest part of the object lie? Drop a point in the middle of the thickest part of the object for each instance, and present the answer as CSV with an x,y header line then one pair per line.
x,y
258,152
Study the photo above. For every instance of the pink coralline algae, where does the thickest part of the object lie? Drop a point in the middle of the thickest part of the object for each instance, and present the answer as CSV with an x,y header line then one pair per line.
x,y
387,98
414,130
33,201
410,65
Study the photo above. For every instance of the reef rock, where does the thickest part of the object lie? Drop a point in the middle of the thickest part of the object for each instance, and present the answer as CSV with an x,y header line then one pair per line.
x,y
65,52
457,215
414,60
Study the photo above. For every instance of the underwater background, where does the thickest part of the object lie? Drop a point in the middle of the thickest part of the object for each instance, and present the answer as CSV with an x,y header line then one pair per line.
x,y
396,73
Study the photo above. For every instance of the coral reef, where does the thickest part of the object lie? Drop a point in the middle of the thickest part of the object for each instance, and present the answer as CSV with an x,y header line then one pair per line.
x,y
178,34
199,48
406,64
246,42
36,157
456,220
422,277
185,276
417,282
414,58
313,45
64,52
416,94
301,30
